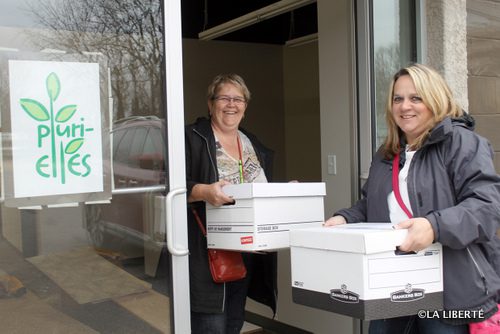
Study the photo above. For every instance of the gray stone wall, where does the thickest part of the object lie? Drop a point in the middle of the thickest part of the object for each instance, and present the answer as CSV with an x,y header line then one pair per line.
x,y
483,50
447,45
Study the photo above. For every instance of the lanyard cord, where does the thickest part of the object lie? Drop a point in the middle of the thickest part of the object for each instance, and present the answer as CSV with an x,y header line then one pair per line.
x,y
240,161
395,185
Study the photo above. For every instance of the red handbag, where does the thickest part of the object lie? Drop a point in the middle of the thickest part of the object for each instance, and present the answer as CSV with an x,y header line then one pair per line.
x,y
488,326
225,266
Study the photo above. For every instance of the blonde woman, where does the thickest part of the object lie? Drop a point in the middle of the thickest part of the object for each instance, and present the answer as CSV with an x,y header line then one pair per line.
x,y
449,193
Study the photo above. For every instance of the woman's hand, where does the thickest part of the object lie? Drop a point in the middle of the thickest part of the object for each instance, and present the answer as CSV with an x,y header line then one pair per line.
x,y
211,193
420,234
335,220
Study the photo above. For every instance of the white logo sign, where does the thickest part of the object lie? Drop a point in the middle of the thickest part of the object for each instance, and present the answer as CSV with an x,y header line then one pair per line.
x,y
56,128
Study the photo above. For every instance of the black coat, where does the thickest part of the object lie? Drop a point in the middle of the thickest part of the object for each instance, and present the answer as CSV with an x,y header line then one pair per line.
x,y
201,167
453,183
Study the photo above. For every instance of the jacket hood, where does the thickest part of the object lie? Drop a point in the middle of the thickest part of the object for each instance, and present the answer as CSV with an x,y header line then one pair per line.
x,y
202,125
445,128
466,121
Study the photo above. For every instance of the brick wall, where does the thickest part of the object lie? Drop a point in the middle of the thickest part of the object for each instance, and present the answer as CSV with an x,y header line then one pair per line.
x,y
483,57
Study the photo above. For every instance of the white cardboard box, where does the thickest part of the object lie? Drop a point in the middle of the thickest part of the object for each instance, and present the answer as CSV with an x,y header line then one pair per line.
x,y
263,215
355,270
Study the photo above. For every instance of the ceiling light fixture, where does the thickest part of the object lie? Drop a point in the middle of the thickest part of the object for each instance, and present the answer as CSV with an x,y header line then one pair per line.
x,y
302,40
275,9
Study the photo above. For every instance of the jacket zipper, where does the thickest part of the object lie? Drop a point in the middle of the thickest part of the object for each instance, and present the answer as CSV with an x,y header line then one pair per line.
x,y
209,155
483,277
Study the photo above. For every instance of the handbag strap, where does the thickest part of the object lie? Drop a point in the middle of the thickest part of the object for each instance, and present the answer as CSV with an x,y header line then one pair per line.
x,y
198,220
395,185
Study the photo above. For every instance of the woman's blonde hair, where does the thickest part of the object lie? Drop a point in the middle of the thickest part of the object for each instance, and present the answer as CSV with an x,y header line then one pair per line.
x,y
436,96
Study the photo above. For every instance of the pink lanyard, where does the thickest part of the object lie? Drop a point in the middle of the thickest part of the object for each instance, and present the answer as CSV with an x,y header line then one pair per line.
x,y
395,185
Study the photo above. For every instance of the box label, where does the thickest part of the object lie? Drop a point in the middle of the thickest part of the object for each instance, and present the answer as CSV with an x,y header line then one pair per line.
x,y
220,229
246,240
343,295
408,294
267,228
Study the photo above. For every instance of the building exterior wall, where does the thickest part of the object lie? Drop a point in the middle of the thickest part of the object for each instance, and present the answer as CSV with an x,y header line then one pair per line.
x,y
463,43
483,47
447,45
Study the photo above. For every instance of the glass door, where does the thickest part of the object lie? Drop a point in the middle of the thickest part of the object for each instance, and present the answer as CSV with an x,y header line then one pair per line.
x,y
93,232
385,44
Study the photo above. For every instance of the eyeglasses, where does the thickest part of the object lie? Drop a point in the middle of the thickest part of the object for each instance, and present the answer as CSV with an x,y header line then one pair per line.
x,y
227,99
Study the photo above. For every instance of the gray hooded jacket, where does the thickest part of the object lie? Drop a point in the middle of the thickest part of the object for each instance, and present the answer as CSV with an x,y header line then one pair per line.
x,y
453,183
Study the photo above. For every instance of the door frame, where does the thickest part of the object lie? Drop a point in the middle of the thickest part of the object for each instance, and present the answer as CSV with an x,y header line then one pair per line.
x,y
175,201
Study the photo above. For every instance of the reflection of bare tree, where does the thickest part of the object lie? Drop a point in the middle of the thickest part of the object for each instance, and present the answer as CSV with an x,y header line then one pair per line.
x,y
387,62
128,32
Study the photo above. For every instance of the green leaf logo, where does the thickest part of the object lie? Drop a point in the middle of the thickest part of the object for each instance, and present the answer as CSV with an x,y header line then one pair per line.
x,y
74,146
35,109
65,113
53,86
55,134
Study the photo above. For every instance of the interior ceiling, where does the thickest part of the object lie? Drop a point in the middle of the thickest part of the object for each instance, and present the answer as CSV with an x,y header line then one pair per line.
x,y
199,15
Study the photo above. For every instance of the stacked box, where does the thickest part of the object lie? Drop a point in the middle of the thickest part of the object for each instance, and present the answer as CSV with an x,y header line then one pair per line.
x,y
357,270
263,214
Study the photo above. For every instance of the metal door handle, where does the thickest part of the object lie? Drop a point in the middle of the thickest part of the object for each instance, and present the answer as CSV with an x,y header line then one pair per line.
x,y
170,221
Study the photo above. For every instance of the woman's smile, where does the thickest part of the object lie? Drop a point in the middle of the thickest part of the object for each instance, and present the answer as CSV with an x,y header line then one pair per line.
x,y
409,112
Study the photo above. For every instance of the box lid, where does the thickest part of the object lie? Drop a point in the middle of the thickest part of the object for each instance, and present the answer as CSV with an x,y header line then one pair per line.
x,y
365,238
275,189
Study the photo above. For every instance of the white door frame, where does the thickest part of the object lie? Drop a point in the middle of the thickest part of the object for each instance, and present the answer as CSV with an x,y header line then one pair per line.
x,y
175,214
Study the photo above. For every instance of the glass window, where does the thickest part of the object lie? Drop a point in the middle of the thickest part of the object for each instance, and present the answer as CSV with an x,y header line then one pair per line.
x,y
122,152
93,265
153,139
152,157
117,137
137,146
394,41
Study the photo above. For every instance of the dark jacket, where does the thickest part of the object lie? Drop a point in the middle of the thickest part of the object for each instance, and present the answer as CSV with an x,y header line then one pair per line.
x,y
453,183
201,167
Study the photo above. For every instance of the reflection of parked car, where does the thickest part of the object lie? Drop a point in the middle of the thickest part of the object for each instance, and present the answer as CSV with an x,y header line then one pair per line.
x,y
126,225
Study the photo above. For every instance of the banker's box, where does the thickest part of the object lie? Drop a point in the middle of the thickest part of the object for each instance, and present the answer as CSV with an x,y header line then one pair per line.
x,y
263,215
356,270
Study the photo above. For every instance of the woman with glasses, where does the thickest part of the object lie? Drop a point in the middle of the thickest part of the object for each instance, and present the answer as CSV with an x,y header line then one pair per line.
x,y
220,152
435,177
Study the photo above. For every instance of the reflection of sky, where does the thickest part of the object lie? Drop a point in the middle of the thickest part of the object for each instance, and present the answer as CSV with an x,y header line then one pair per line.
x,y
15,13
385,16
